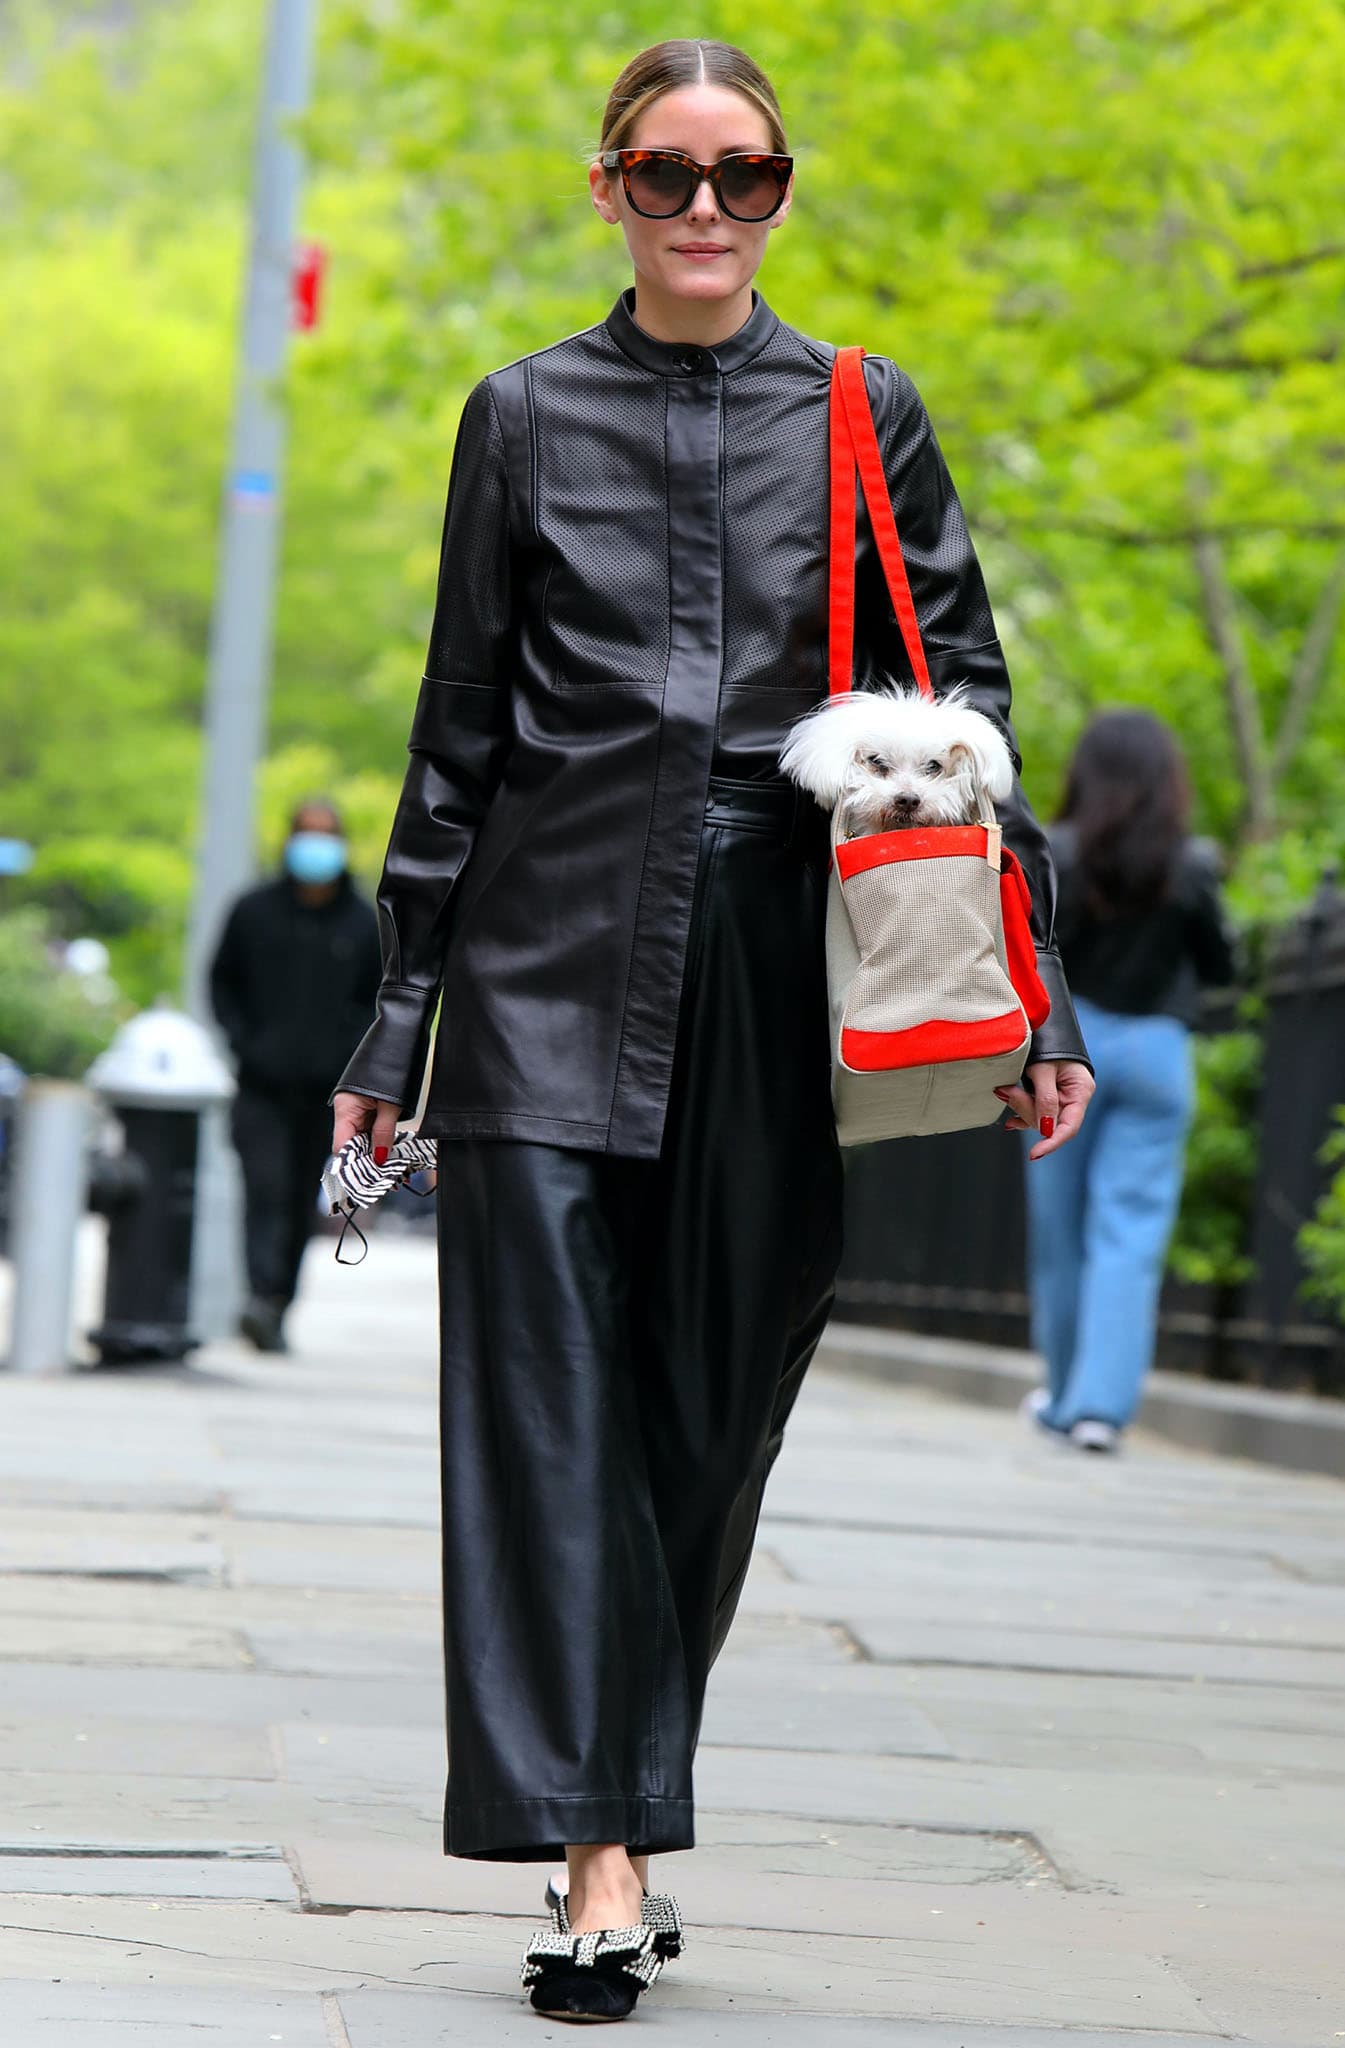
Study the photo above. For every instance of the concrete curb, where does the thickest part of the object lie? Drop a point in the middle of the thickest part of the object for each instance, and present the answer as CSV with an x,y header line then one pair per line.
x,y
1296,1431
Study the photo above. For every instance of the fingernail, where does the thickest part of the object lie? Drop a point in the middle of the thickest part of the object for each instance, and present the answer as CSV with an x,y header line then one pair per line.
x,y
1048,1127
380,1155
1003,1094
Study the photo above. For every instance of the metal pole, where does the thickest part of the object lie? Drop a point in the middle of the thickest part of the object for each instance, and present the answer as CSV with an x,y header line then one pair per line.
x,y
240,636
241,626
49,1189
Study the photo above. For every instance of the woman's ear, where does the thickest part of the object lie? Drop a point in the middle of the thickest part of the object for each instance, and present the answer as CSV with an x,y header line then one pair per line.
x,y
603,194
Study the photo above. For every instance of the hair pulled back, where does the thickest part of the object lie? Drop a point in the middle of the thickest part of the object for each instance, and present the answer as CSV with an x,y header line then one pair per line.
x,y
667,67
1129,800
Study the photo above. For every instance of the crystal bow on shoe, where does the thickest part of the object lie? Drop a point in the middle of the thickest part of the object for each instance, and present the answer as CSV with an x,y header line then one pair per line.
x,y
622,1951
661,1914
659,1911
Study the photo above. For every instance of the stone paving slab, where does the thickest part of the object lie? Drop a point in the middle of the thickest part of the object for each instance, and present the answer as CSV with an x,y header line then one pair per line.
x,y
916,1975
96,1745
384,1759
998,1565
250,1697
394,1657
1187,1838
888,1625
84,2016
69,1543
1298,1431
327,1558
148,1877
1091,1785
102,1639
64,2015
352,1501
845,1706
389,2020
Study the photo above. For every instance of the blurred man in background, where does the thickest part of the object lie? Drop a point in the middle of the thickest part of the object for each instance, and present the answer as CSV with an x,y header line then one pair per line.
x,y
292,985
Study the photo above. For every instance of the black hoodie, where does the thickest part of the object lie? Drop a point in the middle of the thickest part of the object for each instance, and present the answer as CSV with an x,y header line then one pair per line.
x,y
293,985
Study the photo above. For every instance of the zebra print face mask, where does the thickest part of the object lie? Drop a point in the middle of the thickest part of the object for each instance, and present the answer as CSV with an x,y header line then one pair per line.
x,y
353,1182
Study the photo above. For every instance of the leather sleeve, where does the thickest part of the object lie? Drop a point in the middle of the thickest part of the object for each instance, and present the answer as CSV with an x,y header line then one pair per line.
x,y
958,630
1209,935
457,746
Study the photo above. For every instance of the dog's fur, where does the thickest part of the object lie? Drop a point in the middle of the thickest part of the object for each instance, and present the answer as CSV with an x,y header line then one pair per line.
x,y
892,758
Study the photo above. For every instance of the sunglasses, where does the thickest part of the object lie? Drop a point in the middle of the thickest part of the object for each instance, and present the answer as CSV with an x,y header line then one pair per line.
x,y
661,183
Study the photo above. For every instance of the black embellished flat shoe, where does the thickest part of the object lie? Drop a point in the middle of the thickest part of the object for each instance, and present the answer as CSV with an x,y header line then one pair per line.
x,y
590,1977
599,1976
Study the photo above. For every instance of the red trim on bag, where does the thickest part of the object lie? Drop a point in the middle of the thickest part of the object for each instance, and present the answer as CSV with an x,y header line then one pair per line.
x,y
933,1044
853,445
1020,950
933,842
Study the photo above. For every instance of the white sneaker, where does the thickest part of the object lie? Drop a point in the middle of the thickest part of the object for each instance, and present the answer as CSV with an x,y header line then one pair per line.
x,y
1095,1436
1033,1408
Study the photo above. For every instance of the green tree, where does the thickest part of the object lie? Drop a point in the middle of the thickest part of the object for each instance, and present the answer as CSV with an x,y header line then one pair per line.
x,y
126,161
1104,240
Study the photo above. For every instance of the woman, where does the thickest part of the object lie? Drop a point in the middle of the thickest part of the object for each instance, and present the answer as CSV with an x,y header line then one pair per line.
x,y
1140,931
596,855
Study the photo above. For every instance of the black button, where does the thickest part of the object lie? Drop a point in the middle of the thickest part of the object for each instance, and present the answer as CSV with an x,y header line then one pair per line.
x,y
690,360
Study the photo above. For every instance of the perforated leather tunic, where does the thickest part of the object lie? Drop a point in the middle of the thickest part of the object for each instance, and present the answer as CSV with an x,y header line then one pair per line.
x,y
633,596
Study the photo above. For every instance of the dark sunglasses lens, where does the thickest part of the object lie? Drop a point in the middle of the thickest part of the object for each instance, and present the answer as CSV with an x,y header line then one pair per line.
x,y
660,187
750,191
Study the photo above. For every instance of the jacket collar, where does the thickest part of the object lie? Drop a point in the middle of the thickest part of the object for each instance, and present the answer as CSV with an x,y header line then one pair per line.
x,y
684,358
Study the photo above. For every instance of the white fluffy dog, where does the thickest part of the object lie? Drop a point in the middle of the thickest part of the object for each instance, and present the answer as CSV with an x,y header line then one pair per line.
x,y
892,758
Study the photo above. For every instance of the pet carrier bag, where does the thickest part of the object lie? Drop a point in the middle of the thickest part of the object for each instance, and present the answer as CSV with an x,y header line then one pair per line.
x,y
931,965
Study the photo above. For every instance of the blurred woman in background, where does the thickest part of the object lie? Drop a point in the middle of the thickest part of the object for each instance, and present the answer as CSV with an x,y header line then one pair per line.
x,y
1141,931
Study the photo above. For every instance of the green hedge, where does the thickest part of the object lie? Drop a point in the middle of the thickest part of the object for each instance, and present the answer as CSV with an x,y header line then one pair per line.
x,y
51,1022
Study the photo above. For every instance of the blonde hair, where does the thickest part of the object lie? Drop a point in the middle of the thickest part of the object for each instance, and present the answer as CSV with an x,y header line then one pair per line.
x,y
666,67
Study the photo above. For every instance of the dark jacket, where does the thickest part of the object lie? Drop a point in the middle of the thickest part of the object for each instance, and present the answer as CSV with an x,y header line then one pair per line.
x,y
292,985
1151,962
632,596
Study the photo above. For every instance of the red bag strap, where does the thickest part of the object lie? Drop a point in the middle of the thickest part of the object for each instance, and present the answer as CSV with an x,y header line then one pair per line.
x,y
854,446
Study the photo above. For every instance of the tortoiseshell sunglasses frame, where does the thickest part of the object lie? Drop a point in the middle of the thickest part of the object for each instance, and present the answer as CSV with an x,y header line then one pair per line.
x,y
628,160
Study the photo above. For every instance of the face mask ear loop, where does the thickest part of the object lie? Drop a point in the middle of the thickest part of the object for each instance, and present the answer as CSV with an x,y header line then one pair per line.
x,y
349,1223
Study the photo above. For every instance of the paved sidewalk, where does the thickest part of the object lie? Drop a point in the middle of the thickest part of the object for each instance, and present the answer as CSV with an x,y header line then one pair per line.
x,y
1007,1741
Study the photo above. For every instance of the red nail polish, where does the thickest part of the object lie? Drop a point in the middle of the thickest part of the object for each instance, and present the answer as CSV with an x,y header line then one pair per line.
x,y
380,1155
1048,1127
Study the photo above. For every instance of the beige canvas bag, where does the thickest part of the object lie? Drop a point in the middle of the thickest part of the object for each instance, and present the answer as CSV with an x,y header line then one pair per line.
x,y
931,966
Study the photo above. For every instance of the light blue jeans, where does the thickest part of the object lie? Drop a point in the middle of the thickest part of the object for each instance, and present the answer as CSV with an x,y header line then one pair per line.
x,y
1100,1213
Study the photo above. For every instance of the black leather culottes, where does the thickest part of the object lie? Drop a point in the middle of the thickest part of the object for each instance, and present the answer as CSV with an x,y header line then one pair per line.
x,y
623,1340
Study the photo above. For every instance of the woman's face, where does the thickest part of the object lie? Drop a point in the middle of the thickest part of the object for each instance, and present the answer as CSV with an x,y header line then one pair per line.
x,y
700,254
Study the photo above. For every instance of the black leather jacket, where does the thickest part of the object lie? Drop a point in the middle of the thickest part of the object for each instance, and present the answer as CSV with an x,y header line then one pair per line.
x,y
1152,962
632,596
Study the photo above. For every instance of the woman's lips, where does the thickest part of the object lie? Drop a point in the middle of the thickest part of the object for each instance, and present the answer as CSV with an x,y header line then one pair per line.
x,y
700,252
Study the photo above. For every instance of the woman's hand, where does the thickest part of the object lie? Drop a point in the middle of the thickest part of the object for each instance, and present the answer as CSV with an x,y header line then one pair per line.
x,y
1052,1100
354,1113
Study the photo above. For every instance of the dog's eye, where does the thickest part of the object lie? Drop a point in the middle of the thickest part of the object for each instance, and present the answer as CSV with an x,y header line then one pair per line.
x,y
876,762
933,767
